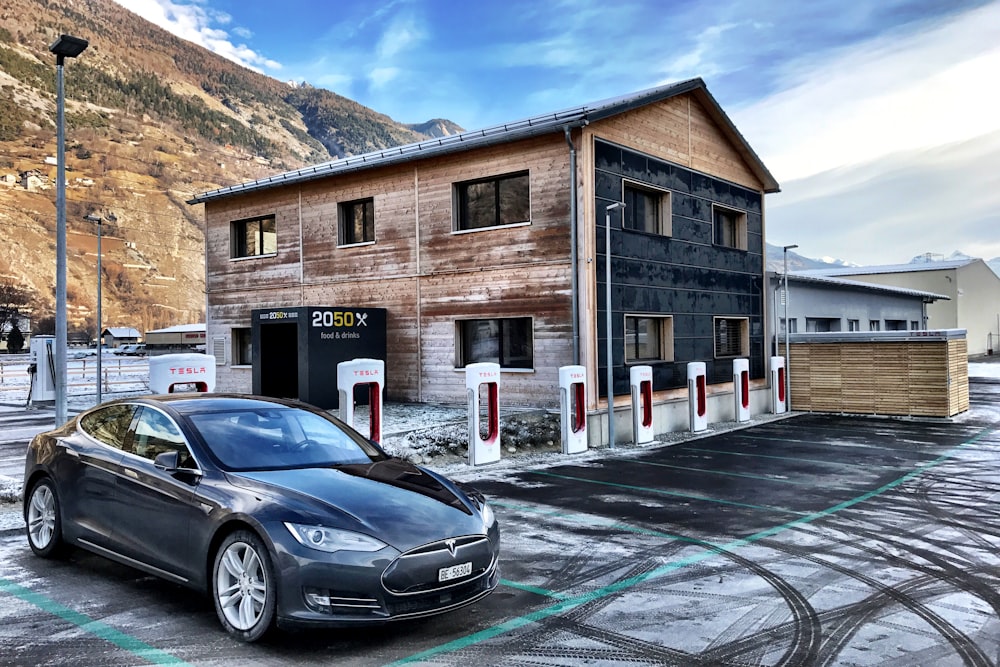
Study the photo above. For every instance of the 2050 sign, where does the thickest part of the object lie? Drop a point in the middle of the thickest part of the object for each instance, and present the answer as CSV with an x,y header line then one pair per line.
x,y
339,319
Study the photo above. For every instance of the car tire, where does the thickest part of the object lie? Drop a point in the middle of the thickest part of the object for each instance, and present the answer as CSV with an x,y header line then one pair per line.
x,y
243,586
44,520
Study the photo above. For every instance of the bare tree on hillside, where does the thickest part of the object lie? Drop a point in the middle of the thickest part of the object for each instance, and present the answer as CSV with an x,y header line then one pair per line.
x,y
15,301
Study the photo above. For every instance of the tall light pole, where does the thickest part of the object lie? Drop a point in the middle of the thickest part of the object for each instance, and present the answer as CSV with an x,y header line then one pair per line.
x,y
607,319
788,330
93,217
66,46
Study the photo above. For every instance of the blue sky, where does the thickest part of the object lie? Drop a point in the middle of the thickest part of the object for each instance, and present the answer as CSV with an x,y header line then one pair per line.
x,y
879,118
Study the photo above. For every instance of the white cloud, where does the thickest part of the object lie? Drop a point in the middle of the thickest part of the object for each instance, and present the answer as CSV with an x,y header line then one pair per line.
x,y
194,23
382,76
891,94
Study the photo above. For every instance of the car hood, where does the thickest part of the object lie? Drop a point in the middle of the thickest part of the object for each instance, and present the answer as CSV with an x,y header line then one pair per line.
x,y
393,500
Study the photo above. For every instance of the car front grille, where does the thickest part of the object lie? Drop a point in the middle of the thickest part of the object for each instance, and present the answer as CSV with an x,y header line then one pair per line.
x,y
416,572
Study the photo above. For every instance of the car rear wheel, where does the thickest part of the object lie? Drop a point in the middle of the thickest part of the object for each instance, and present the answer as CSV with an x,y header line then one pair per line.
x,y
44,520
243,586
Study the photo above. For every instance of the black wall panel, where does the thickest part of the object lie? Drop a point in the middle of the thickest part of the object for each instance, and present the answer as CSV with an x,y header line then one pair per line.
x,y
682,275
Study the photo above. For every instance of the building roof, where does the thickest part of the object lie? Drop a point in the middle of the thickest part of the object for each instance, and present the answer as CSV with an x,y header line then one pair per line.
x,y
122,332
181,328
871,287
889,268
508,132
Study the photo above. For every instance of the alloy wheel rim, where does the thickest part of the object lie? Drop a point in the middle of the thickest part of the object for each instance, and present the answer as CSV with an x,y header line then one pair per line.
x,y
241,585
42,516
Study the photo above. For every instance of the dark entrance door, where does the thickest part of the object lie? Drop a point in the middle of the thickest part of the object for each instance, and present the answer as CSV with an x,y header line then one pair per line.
x,y
279,360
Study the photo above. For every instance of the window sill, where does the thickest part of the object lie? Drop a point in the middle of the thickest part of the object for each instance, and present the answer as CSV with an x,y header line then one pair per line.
x,y
242,366
243,259
491,229
356,245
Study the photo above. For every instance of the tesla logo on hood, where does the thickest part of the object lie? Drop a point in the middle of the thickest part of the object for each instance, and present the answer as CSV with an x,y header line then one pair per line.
x,y
451,547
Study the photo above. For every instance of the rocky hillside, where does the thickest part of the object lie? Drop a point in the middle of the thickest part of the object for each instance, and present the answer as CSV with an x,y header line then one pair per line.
x,y
151,120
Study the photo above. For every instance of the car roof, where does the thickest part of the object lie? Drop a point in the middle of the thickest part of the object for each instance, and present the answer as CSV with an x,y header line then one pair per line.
x,y
194,403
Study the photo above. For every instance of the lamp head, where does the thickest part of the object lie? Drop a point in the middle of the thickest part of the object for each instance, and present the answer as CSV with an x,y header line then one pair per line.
x,y
68,46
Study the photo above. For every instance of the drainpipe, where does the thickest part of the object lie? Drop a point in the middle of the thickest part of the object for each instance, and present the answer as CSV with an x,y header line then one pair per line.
x,y
574,260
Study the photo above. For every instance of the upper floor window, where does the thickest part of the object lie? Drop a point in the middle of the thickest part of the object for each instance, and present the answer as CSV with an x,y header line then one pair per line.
x,y
254,237
732,337
874,325
357,221
649,339
646,210
493,202
729,228
504,341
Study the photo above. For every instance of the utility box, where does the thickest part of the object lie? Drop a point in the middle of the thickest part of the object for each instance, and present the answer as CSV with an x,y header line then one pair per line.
x,y
43,360
296,350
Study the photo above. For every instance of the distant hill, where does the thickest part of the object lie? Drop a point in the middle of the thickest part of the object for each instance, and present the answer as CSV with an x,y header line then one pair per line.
x,y
150,120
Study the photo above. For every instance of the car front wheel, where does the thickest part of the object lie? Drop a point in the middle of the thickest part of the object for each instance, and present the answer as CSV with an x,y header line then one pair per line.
x,y
44,520
243,586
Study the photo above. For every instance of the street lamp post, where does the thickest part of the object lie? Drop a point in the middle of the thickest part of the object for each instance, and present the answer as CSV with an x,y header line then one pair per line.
x,y
607,320
66,46
93,217
788,330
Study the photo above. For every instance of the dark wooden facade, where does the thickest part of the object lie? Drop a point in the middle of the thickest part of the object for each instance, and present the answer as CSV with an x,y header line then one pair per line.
x,y
428,276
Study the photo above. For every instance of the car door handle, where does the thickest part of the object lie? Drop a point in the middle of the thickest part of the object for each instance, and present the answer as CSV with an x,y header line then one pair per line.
x,y
131,473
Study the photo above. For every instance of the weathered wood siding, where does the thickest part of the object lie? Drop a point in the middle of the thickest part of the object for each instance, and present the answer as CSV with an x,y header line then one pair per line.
x,y
424,273
912,378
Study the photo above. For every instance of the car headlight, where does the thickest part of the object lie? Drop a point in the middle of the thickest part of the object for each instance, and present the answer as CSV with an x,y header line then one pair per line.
x,y
333,539
488,517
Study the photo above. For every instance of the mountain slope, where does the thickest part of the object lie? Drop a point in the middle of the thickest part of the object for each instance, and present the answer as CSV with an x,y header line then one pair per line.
x,y
150,120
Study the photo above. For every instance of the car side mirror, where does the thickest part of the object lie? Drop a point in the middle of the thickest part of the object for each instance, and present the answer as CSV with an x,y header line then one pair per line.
x,y
168,461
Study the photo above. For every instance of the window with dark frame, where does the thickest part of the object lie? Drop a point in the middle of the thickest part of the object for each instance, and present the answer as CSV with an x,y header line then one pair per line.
x,y
504,341
242,349
874,325
494,202
254,237
732,337
646,210
729,228
357,221
648,338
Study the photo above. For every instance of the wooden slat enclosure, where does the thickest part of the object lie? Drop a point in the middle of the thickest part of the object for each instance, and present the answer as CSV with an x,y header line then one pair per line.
x,y
918,374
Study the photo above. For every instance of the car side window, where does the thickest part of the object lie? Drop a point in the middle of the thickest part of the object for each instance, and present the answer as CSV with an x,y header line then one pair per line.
x,y
156,433
109,424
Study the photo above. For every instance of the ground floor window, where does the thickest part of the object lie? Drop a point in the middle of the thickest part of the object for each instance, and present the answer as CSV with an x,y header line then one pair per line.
x,y
732,337
504,341
649,338
242,351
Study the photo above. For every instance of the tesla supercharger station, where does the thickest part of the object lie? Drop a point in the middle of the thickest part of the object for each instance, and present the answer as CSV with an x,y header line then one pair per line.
x,y
779,403
43,359
484,429
641,381
169,372
741,389
573,408
369,373
697,398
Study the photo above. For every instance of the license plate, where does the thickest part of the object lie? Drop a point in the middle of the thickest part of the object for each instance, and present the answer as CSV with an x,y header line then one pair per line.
x,y
455,571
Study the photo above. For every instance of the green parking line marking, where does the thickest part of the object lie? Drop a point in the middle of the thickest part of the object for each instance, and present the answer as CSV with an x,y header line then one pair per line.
x,y
572,603
722,472
534,589
96,628
673,494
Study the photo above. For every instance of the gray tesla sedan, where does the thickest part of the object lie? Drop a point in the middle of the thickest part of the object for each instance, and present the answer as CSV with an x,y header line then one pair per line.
x,y
277,510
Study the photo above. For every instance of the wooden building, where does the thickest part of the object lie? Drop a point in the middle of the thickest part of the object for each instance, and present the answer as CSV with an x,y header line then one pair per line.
x,y
490,246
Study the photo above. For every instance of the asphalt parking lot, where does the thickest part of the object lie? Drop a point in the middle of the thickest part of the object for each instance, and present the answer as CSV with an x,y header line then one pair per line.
x,y
811,540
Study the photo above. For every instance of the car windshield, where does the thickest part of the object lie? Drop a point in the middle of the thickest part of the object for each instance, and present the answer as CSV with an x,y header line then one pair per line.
x,y
280,438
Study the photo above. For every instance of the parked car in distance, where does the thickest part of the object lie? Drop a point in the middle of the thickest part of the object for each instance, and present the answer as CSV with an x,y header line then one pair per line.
x,y
131,350
277,510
